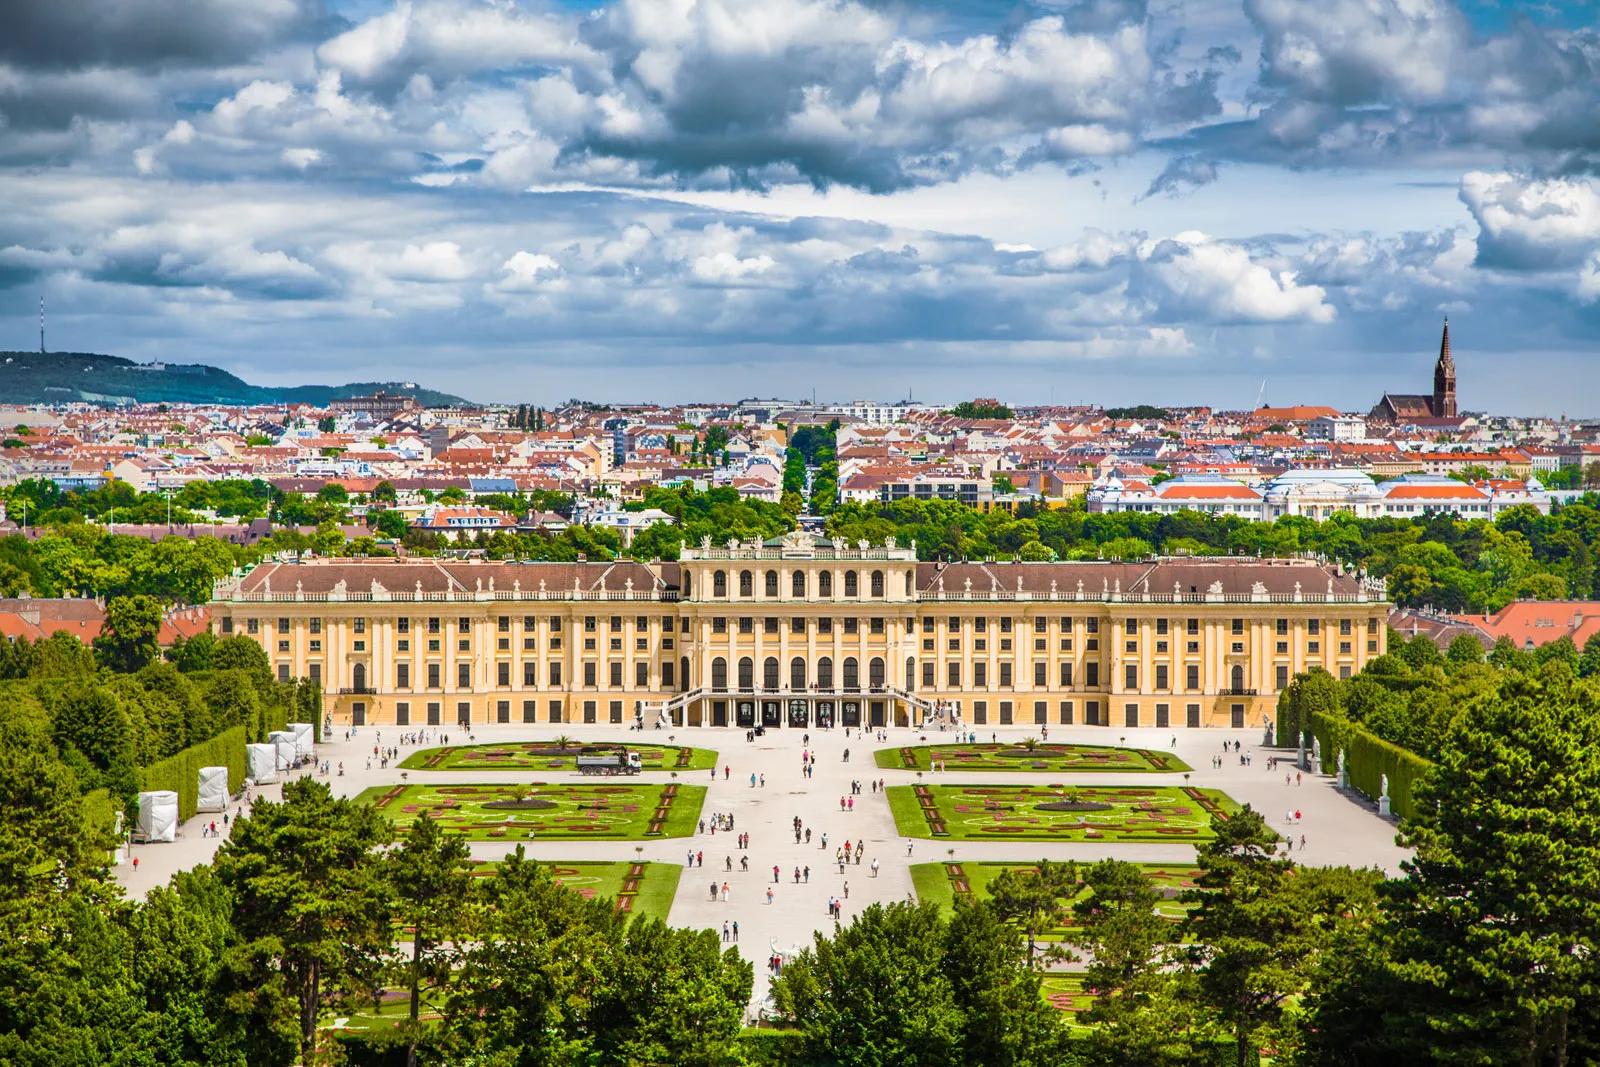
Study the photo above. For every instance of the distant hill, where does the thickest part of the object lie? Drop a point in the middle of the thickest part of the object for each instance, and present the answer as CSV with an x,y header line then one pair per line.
x,y
63,377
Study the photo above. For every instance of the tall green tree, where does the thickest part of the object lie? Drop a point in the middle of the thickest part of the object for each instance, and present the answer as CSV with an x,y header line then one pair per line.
x,y
1496,930
130,638
1141,1016
669,996
530,970
1035,899
1258,926
876,993
311,911
430,874
1005,1019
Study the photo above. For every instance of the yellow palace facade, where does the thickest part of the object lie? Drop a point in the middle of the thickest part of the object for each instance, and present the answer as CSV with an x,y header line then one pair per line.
x,y
800,632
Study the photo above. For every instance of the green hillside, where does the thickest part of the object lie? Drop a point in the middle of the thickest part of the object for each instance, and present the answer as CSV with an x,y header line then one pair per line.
x,y
61,377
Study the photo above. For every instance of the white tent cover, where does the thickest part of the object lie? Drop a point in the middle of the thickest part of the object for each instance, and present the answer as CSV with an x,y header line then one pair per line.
x,y
288,751
263,760
305,738
213,789
158,816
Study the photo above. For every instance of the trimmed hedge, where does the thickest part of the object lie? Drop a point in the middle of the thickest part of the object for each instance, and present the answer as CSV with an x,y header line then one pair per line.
x,y
99,813
181,773
1367,759
773,1048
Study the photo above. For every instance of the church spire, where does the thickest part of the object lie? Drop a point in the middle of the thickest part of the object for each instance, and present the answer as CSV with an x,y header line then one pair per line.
x,y
1444,379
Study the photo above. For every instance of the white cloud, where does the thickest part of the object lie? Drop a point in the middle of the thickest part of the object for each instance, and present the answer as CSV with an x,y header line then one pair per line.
x,y
1192,275
1532,224
436,261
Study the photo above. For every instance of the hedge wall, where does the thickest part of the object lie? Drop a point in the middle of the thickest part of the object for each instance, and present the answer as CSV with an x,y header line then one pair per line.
x,y
181,773
773,1048
1367,759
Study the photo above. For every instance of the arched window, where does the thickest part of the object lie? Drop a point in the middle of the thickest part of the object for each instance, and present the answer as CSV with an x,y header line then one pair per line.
x,y
911,582
772,584
686,585
747,674
877,583
825,673
911,672
358,676
747,584
719,583
797,674
852,675
769,672
1238,678
797,585
825,584
683,673
719,675
875,672
850,586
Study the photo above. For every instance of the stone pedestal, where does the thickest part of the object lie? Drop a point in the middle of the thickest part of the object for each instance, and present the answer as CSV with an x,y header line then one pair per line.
x,y
1383,806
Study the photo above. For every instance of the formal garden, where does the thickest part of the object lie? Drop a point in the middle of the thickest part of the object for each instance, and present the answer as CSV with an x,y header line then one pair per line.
x,y
582,811
1030,754
557,754
1067,993
943,883
638,888
1058,812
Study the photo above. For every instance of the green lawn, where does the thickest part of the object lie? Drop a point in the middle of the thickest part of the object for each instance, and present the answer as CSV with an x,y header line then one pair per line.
x,y
1043,757
549,756
600,811
1023,812
941,883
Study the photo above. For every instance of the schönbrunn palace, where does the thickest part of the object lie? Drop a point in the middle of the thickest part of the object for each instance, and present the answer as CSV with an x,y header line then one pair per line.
x,y
803,632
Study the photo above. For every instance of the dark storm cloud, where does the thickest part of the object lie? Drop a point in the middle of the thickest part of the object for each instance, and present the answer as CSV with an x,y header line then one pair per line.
x,y
71,34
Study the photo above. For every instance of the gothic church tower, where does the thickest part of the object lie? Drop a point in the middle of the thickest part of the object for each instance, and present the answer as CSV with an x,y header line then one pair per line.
x,y
1444,379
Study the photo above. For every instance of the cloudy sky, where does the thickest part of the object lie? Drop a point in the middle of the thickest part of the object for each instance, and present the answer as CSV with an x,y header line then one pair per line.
x,y
1068,200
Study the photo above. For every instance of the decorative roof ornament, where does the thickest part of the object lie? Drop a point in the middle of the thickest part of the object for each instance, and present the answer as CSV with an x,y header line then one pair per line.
x,y
889,542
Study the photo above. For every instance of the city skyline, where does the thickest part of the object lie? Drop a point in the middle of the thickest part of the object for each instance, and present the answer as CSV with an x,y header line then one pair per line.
x,y
1093,202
